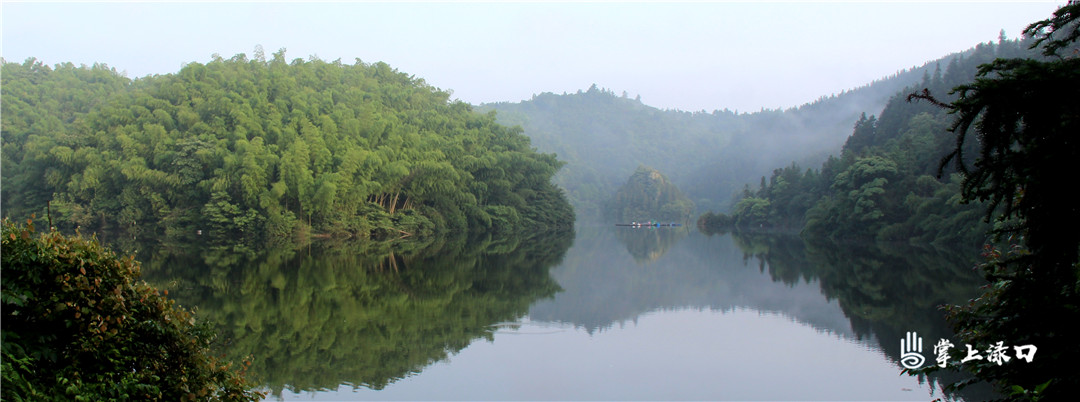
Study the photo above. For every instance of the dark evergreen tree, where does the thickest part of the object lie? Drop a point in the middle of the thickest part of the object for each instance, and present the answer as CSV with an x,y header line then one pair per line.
x,y
1026,115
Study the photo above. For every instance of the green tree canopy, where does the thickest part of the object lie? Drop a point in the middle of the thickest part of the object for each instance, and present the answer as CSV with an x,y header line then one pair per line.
x,y
243,148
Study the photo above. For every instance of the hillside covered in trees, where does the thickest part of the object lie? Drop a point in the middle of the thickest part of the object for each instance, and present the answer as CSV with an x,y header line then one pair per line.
x,y
649,196
884,184
245,147
604,137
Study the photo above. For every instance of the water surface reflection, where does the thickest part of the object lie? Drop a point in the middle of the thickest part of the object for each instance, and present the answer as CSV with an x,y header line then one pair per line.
x,y
366,315
662,313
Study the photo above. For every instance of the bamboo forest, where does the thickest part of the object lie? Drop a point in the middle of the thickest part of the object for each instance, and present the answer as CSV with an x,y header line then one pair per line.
x,y
272,227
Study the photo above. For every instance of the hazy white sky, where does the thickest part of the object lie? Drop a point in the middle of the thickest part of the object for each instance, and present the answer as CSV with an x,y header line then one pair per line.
x,y
689,55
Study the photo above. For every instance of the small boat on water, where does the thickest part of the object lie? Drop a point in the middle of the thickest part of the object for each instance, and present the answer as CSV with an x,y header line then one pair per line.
x,y
649,224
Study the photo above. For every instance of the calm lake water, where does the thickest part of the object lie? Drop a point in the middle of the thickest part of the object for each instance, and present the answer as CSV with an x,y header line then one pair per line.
x,y
608,313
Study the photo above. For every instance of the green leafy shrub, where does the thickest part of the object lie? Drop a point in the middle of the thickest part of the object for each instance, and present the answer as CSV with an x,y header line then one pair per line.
x,y
79,325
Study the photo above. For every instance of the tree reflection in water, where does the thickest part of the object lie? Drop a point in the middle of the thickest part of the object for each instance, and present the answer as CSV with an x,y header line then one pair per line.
x,y
319,315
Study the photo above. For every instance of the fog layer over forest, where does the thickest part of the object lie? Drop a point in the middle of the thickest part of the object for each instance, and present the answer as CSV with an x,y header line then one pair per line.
x,y
711,156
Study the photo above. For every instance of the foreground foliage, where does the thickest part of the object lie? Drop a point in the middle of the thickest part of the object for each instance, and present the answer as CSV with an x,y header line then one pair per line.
x,y
79,325
1025,118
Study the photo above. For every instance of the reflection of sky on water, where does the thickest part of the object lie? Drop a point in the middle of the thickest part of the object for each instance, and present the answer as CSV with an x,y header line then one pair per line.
x,y
603,284
664,355
699,322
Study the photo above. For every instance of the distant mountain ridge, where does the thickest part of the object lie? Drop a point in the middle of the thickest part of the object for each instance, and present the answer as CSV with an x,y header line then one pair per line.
x,y
603,137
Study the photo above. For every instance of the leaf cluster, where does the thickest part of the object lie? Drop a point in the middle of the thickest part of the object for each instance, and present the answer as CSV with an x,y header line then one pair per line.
x,y
79,325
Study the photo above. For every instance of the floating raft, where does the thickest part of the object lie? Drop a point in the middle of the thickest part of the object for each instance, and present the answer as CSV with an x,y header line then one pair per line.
x,y
649,224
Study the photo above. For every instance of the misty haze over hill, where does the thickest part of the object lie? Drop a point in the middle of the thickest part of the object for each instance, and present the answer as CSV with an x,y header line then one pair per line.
x,y
710,156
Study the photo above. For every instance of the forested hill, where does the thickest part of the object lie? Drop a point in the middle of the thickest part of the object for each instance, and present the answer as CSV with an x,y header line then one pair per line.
x,y
604,137
884,184
249,147
648,196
